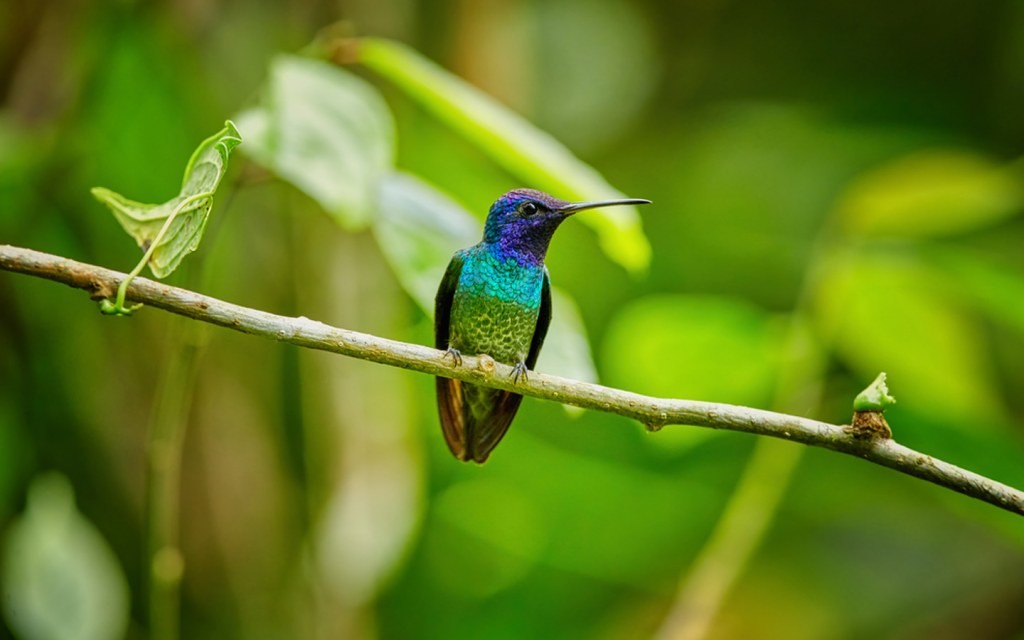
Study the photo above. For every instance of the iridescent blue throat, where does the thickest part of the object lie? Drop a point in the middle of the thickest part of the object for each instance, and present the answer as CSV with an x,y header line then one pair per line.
x,y
508,275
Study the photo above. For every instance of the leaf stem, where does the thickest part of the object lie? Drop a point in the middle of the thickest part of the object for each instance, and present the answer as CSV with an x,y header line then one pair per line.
x,y
168,426
118,307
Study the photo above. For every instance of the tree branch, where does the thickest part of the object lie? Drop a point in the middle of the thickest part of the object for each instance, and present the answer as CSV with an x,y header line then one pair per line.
x,y
483,370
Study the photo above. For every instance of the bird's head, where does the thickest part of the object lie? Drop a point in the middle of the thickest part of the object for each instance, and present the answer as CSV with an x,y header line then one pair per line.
x,y
523,221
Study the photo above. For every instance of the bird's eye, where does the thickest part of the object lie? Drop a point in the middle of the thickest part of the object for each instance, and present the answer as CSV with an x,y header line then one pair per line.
x,y
528,209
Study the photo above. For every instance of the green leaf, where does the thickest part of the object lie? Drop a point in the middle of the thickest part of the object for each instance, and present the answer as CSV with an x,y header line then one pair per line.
x,y
937,193
512,142
327,132
61,580
419,228
168,232
885,313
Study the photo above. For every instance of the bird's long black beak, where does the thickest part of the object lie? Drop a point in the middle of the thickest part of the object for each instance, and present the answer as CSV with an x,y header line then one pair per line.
x,y
573,207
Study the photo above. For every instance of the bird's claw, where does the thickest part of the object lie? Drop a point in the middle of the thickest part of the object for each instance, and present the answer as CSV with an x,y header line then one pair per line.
x,y
455,355
519,371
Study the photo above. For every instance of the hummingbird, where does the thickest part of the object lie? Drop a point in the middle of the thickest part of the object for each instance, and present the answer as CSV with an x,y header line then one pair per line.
x,y
495,299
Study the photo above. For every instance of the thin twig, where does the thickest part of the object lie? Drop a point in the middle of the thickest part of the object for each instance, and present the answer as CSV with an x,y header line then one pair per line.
x,y
168,425
733,541
483,370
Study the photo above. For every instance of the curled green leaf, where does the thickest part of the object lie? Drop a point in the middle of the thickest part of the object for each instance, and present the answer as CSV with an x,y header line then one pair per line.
x,y
875,397
168,232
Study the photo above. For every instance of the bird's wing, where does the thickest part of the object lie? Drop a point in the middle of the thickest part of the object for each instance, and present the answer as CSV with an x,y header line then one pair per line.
x,y
443,301
543,322
450,401
488,430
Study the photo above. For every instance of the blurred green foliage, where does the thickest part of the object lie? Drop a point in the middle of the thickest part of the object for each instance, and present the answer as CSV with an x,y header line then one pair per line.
x,y
838,191
61,580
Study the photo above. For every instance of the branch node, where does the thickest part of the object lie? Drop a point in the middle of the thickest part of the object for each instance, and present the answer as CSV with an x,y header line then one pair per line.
x,y
653,426
868,412
869,425
485,363
116,308
101,289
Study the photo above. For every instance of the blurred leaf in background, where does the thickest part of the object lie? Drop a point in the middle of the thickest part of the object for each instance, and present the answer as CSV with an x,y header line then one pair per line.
x,y
60,578
418,230
327,132
874,307
933,193
678,346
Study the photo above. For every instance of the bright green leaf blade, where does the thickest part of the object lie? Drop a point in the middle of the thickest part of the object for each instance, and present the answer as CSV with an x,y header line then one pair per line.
x,y
715,349
184,229
512,142
938,193
60,578
886,314
327,132
419,228
209,161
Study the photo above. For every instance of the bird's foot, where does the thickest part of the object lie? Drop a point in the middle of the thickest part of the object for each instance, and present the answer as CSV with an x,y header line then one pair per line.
x,y
455,355
519,371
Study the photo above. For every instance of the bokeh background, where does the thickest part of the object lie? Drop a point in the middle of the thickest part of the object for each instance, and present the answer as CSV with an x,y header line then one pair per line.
x,y
838,189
